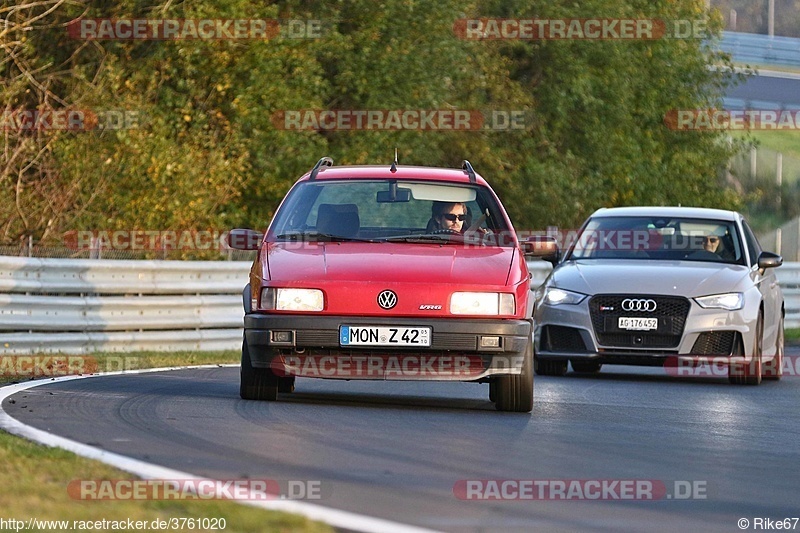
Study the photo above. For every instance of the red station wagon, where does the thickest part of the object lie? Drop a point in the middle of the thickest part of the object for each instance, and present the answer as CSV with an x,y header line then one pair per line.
x,y
388,273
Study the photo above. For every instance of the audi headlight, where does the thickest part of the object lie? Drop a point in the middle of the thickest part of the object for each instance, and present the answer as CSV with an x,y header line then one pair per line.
x,y
560,296
482,303
730,301
276,299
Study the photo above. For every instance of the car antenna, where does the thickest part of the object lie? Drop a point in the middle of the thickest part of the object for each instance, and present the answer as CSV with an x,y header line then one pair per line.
x,y
394,163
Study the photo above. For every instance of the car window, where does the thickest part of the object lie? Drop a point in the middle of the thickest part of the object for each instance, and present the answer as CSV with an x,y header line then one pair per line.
x,y
659,238
380,209
753,247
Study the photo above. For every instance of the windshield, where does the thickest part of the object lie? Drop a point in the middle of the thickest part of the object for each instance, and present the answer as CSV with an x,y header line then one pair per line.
x,y
659,238
390,210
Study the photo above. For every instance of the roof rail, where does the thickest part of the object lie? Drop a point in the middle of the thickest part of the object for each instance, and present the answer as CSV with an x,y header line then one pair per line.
x,y
467,167
323,162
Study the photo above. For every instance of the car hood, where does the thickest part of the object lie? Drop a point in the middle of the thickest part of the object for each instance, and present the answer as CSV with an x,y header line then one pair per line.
x,y
685,278
389,262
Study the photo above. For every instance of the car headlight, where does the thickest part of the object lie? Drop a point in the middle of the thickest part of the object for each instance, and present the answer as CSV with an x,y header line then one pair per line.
x,y
560,296
730,301
277,299
482,303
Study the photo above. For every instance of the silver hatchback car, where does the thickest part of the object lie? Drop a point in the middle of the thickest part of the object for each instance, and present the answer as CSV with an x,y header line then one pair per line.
x,y
660,286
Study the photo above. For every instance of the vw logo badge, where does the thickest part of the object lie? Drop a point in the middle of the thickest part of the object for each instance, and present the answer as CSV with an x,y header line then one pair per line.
x,y
387,299
646,306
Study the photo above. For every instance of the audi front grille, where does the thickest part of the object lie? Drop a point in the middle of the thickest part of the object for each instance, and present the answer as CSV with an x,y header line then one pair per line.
x,y
671,312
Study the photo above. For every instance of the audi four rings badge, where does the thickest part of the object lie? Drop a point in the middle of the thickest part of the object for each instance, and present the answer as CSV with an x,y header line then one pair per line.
x,y
639,304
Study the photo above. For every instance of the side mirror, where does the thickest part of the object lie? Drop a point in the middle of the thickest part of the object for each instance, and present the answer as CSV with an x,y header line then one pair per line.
x,y
244,239
543,247
769,260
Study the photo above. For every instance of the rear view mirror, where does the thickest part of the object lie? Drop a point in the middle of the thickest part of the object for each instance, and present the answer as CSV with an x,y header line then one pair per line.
x,y
394,194
244,239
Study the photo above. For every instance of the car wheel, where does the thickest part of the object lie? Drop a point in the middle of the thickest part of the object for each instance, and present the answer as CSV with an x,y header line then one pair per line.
x,y
586,367
286,384
551,368
774,369
256,383
515,392
493,390
749,373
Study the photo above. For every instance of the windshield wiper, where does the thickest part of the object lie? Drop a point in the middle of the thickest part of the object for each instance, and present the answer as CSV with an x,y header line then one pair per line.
x,y
427,238
316,236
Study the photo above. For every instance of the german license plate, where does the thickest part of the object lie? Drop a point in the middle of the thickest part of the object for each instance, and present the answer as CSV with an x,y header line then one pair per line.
x,y
384,336
638,324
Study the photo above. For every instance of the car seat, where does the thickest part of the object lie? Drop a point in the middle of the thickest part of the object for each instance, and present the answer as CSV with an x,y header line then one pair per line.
x,y
340,220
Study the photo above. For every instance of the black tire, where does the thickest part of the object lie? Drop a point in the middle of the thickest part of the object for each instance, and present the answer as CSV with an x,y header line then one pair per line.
x,y
256,383
774,369
550,368
586,367
515,392
493,390
286,384
750,373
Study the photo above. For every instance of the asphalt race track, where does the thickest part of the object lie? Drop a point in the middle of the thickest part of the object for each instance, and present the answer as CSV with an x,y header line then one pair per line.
x,y
714,452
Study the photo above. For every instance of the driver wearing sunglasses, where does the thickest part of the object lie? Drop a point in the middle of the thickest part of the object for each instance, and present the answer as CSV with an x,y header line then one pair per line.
x,y
711,243
449,216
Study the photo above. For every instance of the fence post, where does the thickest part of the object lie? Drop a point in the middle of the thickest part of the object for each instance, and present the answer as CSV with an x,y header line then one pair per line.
x,y
779,177
771,18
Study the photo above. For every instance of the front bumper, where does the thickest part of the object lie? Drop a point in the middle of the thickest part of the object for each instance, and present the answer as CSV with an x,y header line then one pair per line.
x,y
700,326
313,350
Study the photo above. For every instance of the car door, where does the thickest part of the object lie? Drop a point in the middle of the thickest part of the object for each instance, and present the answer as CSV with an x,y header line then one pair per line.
x,y
767,283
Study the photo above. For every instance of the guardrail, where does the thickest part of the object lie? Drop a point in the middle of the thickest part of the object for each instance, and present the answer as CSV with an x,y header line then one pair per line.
x,y
761,49
80,306
85,305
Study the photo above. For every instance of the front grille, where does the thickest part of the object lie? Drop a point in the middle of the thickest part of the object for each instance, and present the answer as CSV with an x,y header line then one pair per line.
x,y
714,343
671,312
562,339
317,338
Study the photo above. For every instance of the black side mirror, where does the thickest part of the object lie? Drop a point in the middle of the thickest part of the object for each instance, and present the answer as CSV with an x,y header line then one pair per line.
x,y
244,239
543,247
769,260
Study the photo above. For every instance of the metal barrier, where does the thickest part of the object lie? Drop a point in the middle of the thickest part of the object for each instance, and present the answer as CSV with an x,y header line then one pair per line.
x,y
79,306
85,305
761,49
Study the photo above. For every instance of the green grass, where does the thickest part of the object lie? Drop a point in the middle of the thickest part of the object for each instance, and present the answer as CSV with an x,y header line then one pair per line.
x,y
792,334
34,478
